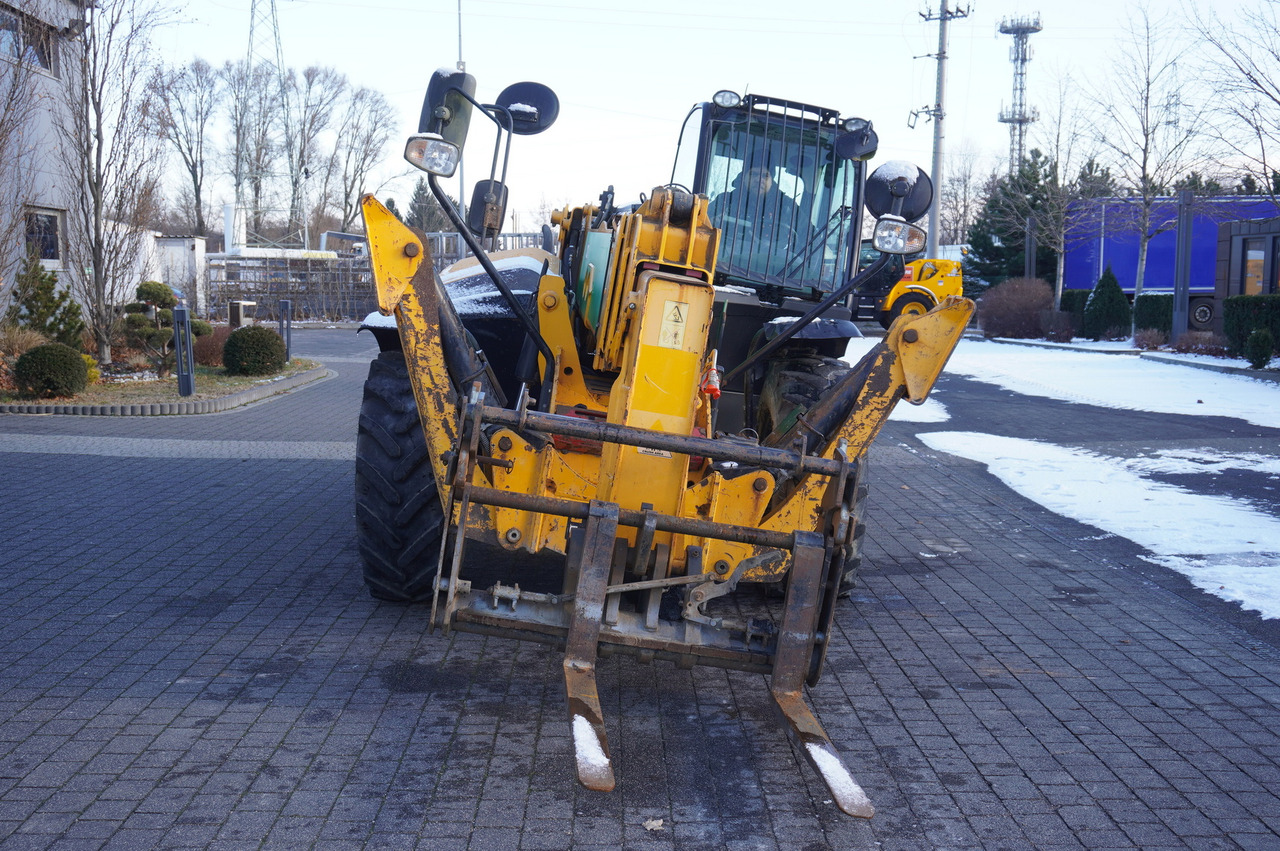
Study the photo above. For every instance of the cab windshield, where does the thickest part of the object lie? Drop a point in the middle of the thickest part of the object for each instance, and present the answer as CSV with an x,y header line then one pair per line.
x,y
783,201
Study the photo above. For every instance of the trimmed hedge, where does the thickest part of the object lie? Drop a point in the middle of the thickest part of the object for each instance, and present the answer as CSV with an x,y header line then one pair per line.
x,y
1154,311
1073,302
1242,314
253,350
50,371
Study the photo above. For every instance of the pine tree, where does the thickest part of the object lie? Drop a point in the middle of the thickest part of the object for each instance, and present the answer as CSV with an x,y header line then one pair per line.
x,y
38,304
997,238
1107,312
424,211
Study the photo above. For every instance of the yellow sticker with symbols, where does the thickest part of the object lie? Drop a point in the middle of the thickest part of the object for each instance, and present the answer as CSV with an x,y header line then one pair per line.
x,y
674,322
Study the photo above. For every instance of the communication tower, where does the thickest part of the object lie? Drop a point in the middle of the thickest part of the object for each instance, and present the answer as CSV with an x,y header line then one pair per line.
x,y
1019,116
264,66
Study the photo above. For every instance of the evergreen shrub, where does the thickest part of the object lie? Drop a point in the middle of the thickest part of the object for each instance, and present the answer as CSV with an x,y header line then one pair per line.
x,y
200,328
39,305
1013,309
253,350
157,294
92,374
136,307
1258,348
50,371
1106,314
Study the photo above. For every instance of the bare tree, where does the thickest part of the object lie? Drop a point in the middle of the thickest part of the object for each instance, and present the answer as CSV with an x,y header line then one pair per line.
x,y
312,102
363,133
960,197
107,131
1148,132
1243,67
188,98
253,106
1072,151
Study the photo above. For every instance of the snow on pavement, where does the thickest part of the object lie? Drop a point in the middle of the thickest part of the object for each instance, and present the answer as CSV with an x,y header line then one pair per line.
x,y
1227,547
1110,381
1223,545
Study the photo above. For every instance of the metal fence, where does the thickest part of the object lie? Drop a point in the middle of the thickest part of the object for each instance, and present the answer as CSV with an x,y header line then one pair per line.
x,y
321,288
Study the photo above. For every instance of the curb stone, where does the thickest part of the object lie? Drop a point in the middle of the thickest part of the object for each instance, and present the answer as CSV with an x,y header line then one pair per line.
x,y
1244,371
157,409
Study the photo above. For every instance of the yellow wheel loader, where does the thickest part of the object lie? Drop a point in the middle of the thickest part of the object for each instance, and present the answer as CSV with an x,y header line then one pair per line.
x,y
543,450
924,284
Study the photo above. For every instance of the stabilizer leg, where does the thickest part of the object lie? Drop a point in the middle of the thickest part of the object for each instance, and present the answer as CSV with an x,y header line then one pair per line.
x,y
594,555
791,667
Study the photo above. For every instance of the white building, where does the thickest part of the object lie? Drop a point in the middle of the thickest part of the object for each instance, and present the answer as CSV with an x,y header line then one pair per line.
x,y
36,192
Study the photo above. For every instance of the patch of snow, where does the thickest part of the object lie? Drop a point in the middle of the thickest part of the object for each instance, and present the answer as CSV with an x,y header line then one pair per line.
x,y
894,169
1204,460
378,320
586,744
1222,544
732,288
458,271
931,411
837,777
1127,383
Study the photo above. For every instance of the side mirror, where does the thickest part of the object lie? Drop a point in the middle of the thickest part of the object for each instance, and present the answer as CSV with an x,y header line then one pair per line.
x,y
445,111
860,142
488,208
899,188
533,107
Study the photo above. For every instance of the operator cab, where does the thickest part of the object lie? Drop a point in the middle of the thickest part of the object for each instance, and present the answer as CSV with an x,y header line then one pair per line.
x,y
785,184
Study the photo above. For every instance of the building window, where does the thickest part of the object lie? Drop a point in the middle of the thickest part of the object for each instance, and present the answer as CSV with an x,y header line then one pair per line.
x,y
43,236
1251,281
26,40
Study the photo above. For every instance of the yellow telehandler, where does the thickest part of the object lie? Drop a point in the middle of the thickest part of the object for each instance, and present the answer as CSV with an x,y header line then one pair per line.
x,y
569,402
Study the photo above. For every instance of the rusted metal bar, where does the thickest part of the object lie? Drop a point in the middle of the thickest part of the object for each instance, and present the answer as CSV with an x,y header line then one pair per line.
x,y
796,639
721,450
630,517
594,555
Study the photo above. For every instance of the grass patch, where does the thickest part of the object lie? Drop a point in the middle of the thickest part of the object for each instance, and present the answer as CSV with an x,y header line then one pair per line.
x,y
212,382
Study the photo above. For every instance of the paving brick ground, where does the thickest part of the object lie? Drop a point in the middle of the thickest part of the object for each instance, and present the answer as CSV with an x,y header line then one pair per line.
x,y
188,659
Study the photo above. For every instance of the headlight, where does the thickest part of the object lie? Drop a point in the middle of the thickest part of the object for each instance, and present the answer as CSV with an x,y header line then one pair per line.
x,y
854,125
431,153
726,99
894,236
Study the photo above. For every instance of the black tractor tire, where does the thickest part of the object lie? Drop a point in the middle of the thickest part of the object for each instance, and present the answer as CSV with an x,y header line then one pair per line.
x,y
793,383
912,304
399,519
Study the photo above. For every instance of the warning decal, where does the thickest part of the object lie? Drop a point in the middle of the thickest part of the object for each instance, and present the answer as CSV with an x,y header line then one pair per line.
x,y
674,321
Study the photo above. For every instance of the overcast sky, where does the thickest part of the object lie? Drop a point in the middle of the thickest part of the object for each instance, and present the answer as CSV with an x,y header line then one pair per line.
x,y
627,72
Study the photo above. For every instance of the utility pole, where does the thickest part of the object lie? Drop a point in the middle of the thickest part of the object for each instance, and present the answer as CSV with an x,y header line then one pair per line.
x,y
937,112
